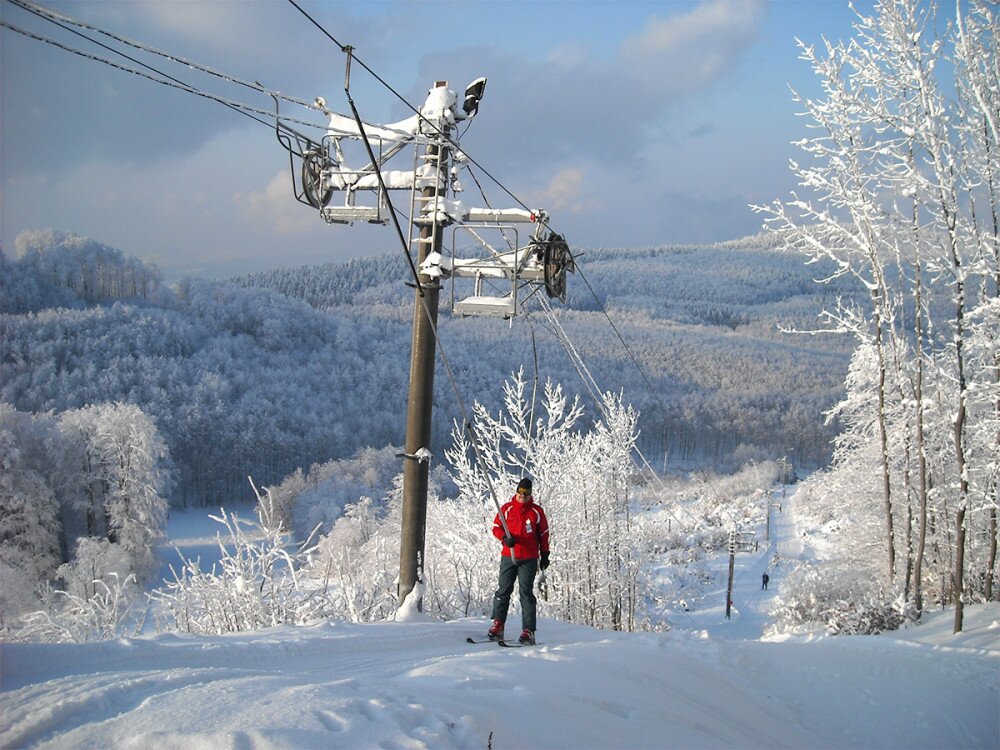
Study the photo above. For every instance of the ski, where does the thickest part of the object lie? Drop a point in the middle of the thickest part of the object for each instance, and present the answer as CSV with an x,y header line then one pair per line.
x,y
511,644
480,640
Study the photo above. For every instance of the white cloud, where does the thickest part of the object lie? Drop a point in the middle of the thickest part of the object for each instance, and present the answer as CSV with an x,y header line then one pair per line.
x,y
567,191
274,209
202,21
688,51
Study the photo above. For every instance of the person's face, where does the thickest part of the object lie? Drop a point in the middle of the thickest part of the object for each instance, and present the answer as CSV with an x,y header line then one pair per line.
x,y
523,495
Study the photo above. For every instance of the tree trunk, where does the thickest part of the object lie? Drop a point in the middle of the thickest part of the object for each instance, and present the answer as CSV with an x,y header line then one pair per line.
x,y
991,559
884,444
918,594
959,432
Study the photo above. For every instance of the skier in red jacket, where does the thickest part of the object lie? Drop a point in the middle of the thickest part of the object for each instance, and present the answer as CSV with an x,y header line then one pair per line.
x,y
529,542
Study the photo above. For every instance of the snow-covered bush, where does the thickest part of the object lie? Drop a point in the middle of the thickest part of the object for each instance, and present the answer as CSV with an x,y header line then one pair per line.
x,y
359,558
115,609
304,502
830,597
98,598
257,584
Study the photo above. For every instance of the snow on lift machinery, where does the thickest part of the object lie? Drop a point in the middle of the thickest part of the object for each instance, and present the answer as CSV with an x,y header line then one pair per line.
x,y
499,279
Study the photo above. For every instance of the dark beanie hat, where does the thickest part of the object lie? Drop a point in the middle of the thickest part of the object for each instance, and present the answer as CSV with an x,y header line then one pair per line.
x,y
524,484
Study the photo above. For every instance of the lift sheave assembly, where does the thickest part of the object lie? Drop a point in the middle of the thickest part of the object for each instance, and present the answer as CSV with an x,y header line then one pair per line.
x,y
488,268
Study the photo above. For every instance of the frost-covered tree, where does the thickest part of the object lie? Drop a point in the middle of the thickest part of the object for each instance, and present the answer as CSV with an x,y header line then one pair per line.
x,y
118,475
30,528
581,478
900,192
95,559
137,479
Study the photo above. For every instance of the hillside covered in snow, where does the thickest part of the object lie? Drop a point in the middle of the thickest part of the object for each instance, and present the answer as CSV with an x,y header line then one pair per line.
x,y
708,683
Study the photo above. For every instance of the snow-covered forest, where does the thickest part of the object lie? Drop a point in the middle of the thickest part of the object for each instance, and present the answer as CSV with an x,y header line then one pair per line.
x,y
240,379
800,440
235,379
903,181
857,340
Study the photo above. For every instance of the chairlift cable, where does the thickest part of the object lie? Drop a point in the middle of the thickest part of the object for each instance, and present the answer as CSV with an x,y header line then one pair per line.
x,y
185,86
385,192
486,200
592,388
591,384
242,108
415,110
60,19
620,338
642,372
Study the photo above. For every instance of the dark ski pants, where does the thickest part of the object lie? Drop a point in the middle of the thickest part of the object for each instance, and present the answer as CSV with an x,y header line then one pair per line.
x,y
524,571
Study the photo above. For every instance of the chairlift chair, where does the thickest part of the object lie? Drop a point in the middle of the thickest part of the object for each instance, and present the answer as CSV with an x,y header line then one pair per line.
x,y
503,279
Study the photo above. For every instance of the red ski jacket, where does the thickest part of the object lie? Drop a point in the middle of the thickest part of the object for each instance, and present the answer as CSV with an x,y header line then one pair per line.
x,y
528,526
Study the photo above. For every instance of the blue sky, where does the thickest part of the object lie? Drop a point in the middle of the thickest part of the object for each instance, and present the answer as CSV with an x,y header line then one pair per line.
x,y
633,123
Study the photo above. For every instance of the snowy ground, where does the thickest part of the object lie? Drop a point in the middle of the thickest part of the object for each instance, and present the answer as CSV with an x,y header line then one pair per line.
x,y
418,684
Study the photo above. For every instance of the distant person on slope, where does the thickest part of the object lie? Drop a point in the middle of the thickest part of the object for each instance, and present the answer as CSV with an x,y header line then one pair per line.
x,y
528,540
764,579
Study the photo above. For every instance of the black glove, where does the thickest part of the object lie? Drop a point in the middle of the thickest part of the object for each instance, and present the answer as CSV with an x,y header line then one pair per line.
x,y
545,561
509,541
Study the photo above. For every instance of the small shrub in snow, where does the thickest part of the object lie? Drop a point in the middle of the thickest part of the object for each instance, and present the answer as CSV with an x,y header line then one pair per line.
x,y
256,584
98,599
111,611
812,596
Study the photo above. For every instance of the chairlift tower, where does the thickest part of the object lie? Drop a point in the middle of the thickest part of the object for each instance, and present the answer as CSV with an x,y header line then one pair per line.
x,y
501,277
431,180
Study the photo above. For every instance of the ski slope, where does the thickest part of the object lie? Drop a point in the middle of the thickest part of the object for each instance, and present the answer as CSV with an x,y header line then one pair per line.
x,y
749,614
418,684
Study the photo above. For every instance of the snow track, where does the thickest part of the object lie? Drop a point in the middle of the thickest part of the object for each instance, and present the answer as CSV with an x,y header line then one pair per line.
x,y
414,685
420,685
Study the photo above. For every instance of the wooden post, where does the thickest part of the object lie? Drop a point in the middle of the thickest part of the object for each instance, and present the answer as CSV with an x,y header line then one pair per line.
x,y
421,391
732,562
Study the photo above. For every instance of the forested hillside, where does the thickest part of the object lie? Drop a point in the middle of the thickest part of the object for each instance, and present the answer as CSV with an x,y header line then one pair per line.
x,y
120,394
705,324
247,378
